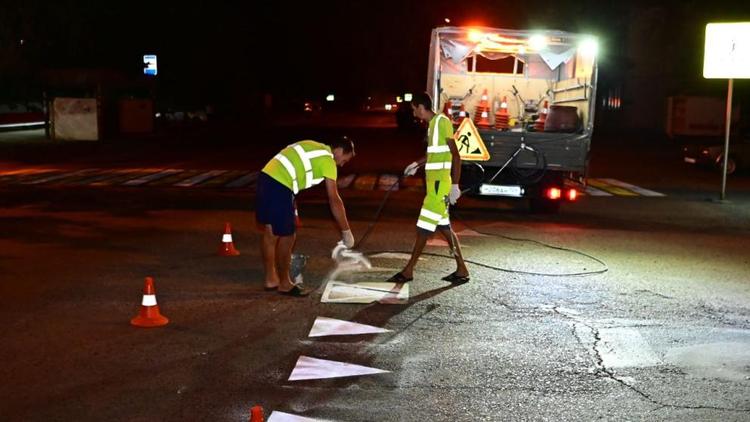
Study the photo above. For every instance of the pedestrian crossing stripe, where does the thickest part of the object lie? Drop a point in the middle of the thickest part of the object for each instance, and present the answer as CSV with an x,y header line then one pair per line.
x,y
637,189
176,178
150,177
243,181
195,180
236,179
607,187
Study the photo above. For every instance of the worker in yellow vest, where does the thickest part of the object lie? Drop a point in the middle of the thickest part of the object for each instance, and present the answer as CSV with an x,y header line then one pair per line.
x,y
442,165
297,167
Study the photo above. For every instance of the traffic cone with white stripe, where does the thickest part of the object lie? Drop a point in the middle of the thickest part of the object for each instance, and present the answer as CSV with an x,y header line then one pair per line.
x,y
227,245
256,414
149,315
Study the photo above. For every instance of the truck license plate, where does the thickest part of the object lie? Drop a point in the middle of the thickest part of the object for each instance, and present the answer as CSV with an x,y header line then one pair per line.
x,y
690,160
501,190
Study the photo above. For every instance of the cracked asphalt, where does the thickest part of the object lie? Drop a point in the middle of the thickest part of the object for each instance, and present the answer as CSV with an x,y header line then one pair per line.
x,y
661,331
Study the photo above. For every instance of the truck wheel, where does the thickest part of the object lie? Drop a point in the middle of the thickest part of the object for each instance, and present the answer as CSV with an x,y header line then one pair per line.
x,y
544,206
731,164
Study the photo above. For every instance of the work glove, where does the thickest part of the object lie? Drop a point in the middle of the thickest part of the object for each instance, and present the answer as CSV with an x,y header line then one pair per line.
x,y
411,169
454,195
347,238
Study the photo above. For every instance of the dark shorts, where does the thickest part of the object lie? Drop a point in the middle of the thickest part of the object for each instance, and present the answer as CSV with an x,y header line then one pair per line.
x,y
274,205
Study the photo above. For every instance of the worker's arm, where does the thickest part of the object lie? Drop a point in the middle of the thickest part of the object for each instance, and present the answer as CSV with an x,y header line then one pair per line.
x,y
338,211
412,168
455,161
455,192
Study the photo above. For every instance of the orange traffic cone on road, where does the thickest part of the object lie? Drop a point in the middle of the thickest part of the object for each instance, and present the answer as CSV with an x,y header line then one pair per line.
x,y
256,414
227,245
149,315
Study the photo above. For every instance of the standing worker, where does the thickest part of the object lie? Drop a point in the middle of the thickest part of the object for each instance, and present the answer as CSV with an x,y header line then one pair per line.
x,y
442,166
297,167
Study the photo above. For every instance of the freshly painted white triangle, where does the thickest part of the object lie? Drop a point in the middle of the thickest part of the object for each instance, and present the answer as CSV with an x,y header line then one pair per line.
x,y
308,368
365,292
277,416
324,326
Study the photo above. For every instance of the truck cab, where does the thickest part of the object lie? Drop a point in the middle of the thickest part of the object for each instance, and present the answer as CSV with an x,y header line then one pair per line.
x,y
523,105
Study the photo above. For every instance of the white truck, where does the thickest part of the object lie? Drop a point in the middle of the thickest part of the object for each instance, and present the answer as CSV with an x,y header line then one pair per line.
x,y
530,97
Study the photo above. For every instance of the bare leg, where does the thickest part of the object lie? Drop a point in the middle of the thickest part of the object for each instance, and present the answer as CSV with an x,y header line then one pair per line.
x,y
455,246
284,261
422,236
268,247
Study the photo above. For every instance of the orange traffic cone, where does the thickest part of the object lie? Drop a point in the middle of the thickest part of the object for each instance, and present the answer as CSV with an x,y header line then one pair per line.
x,y
256,414
149,315
482,114
539,123
460,116
227,245
448,109
502,118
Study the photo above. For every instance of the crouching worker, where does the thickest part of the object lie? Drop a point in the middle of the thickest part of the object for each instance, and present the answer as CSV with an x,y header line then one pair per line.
x,y
442,168
297,167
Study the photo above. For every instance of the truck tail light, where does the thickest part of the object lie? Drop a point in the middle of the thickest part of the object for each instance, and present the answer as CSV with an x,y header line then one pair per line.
x,y
572,194
554,193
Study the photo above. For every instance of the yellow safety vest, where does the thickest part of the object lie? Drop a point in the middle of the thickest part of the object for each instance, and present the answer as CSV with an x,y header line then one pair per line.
x,y
302,165
439,157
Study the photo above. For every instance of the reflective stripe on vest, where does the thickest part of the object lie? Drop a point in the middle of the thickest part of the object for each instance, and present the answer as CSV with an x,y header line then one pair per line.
x,y
305,157
438,166
289,169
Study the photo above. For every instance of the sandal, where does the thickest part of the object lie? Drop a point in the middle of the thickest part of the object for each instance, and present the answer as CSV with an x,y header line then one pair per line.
x,y
270,288
295,291
399,278
456,279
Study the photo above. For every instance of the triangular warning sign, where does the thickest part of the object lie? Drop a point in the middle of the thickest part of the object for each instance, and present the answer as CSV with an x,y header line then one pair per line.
x,y
277,416
308,368
335,327
469,143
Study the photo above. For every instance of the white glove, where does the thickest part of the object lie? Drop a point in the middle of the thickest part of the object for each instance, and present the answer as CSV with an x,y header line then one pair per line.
x,y
411,169
454,195
347,238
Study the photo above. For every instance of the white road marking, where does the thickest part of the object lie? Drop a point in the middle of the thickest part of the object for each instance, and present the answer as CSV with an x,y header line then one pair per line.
x,y
590,190
335,327
200,178
308,368
637,189
151,177
244,180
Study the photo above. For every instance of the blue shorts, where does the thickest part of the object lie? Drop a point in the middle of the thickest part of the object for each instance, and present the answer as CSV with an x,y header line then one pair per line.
x,y
274,205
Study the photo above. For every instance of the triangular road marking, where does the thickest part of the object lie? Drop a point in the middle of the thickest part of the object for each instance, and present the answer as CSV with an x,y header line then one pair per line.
x,y
308,368
335,327
365,292
469,143
277,416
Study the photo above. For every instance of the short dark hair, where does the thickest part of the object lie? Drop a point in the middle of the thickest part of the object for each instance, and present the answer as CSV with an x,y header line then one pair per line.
x,y
345,143
422,98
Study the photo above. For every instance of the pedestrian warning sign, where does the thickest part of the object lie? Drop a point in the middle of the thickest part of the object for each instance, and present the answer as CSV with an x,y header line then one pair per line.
x,y
469,143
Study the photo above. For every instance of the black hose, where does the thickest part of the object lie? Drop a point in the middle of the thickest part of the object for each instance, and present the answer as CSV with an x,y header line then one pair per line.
x,y
379,211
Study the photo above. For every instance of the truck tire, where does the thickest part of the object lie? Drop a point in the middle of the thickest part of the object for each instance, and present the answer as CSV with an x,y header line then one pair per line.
x,y
544,206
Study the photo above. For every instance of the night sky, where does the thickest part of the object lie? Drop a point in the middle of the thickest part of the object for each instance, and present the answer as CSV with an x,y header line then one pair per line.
x,y
215,50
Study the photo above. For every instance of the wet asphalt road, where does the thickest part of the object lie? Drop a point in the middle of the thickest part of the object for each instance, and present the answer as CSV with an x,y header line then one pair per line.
x,y
663,334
